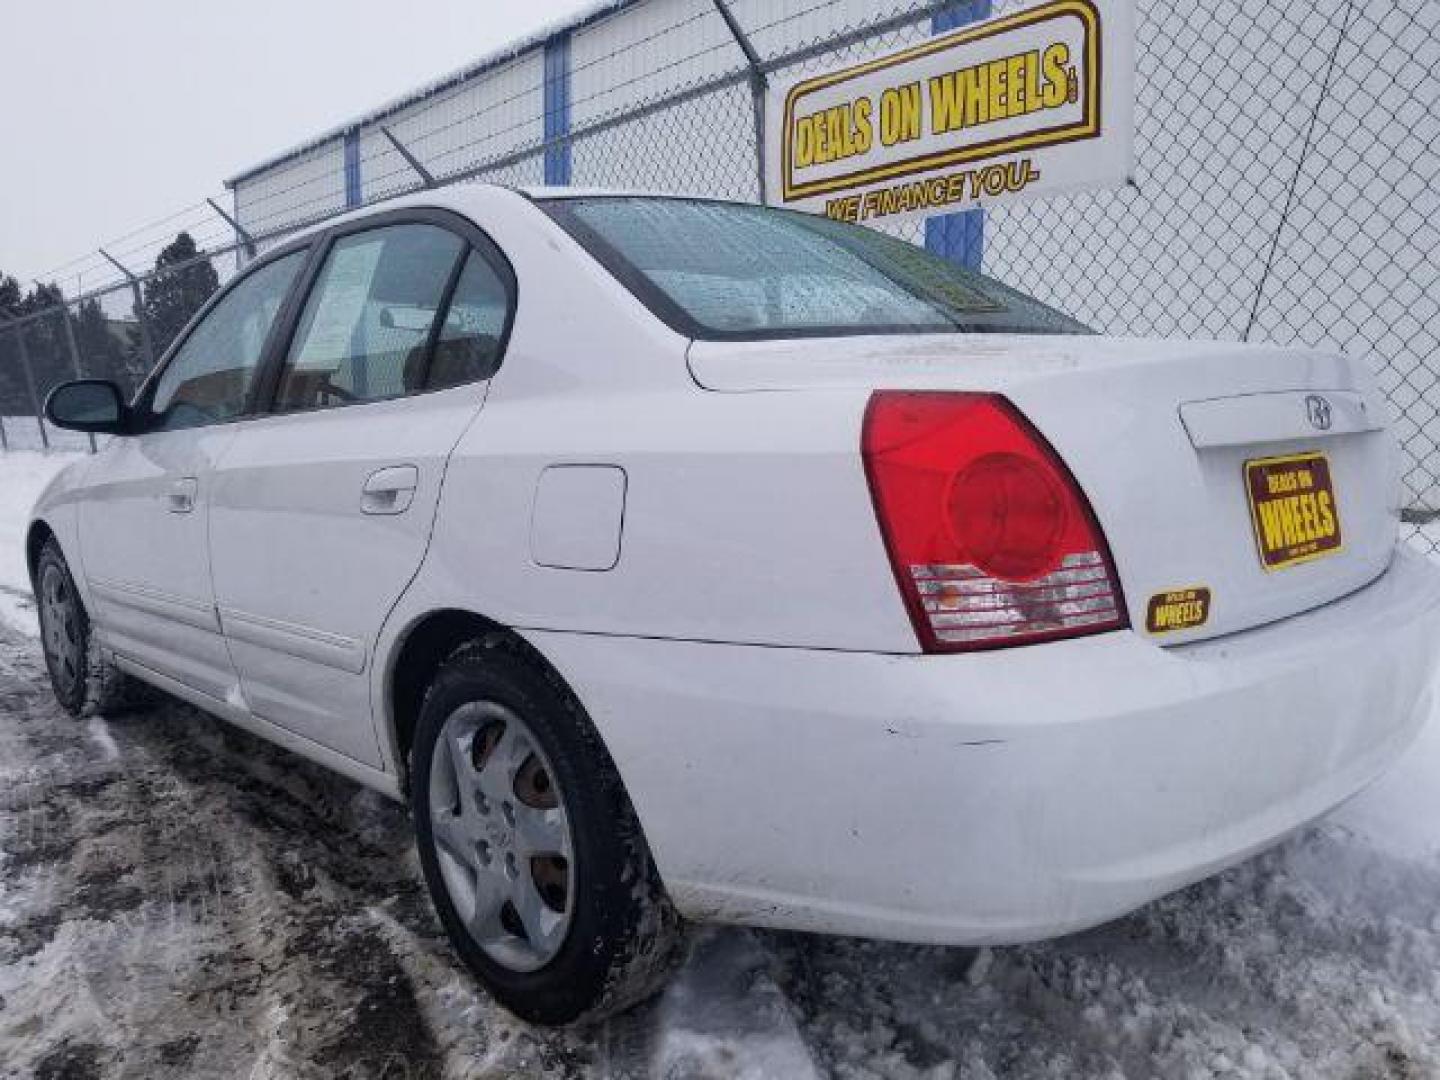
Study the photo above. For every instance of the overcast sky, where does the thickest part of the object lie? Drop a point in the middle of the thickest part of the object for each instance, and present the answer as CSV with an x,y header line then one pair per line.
x,y
120,113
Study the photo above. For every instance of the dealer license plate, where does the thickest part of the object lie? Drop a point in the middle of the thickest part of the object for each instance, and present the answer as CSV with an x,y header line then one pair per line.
x,y
1293,507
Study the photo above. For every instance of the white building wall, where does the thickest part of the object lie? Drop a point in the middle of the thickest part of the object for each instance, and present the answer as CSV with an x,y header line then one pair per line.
x,y
643,53
639,56
305,188
1225,94
495,114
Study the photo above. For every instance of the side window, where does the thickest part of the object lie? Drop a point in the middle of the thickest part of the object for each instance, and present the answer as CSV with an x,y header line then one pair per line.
x,y
208,379
365,332
468,347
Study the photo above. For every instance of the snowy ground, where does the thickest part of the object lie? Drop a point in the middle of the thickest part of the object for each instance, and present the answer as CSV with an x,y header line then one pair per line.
x,y
23,475
178,899
23,433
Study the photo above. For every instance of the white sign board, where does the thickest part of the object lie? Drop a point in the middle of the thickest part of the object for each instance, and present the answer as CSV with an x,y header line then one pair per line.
x,y
1034,102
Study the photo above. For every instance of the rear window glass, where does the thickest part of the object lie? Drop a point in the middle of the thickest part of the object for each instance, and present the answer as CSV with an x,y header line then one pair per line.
x,y
731,270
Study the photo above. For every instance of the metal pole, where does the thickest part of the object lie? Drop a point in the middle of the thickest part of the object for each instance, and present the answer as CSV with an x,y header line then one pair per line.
x,y
426,177
245,239
1299,170
235,213
145,341
759,87
4,438
30,384
75,356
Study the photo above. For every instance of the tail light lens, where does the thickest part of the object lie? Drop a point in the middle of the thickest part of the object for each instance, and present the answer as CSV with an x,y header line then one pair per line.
x,y
992,541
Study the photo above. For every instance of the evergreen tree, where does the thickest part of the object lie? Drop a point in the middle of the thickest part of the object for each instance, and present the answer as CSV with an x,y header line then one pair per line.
x,y
46,344
10,296
182,282
103,346
39,298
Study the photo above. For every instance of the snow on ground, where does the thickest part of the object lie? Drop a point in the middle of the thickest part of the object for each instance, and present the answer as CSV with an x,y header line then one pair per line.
x,y
178,899
23,475
23,433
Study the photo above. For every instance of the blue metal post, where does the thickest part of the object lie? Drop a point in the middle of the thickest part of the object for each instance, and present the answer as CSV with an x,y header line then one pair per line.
x,y
557,110
959,237
352,167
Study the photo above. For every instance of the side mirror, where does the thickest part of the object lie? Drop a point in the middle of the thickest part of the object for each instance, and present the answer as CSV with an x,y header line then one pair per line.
x,y
88,405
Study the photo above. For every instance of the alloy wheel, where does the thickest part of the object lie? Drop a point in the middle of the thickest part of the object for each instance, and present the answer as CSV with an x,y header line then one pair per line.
x,y
60,629
502,835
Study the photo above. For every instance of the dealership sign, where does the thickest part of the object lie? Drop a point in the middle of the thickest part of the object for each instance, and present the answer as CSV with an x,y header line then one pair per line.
x,y
1034,102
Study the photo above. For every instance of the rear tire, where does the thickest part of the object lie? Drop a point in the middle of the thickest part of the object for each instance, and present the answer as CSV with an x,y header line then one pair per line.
x,y
85,683
532,852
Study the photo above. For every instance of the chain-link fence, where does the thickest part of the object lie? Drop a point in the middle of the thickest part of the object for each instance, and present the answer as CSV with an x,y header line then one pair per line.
x,y
1287,185
115,330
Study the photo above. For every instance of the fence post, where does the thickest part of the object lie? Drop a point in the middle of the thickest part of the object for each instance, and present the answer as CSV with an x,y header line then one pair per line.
x,y
74,347
759,88
426,177
30,385
145,342
4,437
243,238
1299,169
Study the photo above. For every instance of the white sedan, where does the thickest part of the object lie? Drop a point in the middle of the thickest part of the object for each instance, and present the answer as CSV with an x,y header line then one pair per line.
x,y
679,559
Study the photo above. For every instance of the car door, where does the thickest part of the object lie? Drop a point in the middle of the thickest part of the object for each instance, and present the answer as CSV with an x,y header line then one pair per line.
x,y
144,520
323,509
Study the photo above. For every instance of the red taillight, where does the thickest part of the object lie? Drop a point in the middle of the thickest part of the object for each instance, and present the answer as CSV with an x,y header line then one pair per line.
x,y
991,539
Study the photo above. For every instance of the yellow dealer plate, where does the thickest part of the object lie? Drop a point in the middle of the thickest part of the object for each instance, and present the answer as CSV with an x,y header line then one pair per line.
x,y
1293,508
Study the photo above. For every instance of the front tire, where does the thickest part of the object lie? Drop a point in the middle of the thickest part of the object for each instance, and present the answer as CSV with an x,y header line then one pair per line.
x,y
532,853
85,683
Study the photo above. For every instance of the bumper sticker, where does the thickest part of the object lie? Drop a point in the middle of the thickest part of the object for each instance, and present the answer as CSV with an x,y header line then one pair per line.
x,y
1178,609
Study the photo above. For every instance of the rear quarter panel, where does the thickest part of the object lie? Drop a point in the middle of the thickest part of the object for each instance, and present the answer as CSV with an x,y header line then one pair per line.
x,y
747,519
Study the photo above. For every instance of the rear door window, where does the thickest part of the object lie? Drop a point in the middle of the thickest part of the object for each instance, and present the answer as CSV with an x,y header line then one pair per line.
x,y
473,333
366,330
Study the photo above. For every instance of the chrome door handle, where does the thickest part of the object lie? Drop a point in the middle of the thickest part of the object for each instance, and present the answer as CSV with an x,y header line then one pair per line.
x,y
180,499
390,490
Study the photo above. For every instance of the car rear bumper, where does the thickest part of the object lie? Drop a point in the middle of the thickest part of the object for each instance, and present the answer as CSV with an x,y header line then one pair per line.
x,y
1003,796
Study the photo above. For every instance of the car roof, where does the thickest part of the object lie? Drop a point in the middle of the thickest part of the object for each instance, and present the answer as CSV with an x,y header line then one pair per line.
x,y
463,197
542,193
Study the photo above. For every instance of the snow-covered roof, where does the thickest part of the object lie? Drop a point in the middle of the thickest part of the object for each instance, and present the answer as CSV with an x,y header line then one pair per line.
x,y
597,10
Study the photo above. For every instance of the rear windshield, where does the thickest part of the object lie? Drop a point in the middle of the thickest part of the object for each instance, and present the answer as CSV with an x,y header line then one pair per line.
x,y
730,270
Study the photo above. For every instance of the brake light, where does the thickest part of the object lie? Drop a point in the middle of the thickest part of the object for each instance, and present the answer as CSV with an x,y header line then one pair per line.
x,y
991,540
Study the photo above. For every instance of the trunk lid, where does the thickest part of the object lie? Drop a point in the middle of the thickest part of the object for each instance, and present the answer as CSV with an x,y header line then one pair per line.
x,y
1263,476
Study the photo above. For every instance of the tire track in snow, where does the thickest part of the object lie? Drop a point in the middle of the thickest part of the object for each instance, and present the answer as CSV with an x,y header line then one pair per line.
x,y
189,901
185,900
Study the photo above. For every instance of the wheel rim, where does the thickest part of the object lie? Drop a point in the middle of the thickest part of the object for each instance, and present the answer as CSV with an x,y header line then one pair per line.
x,y
60,629
502,835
